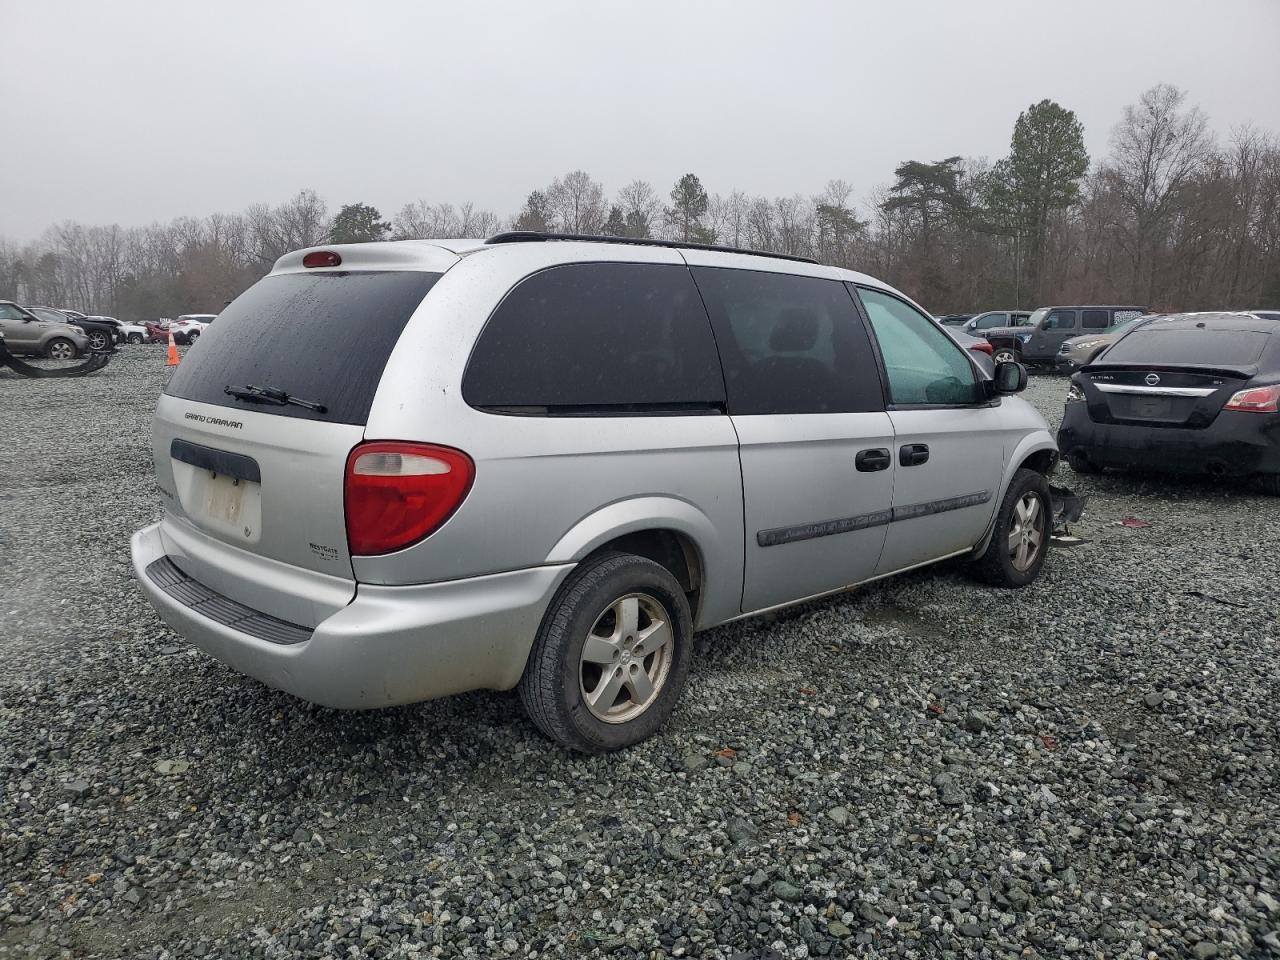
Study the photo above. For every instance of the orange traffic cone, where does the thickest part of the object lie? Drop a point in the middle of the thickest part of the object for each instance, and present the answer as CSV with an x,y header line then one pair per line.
x,y
173,351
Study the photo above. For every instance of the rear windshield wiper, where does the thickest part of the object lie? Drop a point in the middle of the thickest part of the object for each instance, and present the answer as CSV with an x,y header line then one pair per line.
x,y
271,395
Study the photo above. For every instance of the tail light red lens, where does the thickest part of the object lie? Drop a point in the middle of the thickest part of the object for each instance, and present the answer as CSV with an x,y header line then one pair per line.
x,y
398,493
321,258
983,348
1257,400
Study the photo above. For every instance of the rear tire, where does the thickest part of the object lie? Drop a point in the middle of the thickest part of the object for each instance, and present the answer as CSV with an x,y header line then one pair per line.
x,y
60,348
1081,463
603,651
193,336
1004,355
135,338
1020,541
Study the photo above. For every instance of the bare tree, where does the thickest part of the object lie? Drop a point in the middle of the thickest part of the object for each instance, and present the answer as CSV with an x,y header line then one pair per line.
x,y
1156,150
640,208
577,203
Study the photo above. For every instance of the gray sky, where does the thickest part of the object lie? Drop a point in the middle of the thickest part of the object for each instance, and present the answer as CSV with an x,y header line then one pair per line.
x,y
131,112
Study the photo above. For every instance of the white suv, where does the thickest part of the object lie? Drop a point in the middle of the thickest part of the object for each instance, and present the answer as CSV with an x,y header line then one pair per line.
x,y
396,471
189,327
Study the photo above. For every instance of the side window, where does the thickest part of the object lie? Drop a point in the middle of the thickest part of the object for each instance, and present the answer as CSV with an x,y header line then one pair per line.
x,y
1059,320
587,337
1123,315
789,344
10,312
1095,319
923,363
993,320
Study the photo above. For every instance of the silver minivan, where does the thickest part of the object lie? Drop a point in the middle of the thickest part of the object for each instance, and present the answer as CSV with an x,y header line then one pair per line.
x,y
396,471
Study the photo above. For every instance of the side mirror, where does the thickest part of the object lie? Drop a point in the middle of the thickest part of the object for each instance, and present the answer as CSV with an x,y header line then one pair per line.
x,y
1010,377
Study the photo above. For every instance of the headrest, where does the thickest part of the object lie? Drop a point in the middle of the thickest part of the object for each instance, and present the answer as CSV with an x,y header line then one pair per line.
x,y
796,331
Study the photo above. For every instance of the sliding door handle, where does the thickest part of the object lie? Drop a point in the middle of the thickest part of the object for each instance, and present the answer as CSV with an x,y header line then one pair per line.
x,y
913,454
869,461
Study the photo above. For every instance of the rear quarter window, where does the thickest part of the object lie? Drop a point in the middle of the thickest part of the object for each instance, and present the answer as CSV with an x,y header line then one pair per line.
x,y
323,337
597,338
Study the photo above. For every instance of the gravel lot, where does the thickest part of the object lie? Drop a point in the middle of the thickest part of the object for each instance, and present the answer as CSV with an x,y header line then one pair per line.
x,y
927,767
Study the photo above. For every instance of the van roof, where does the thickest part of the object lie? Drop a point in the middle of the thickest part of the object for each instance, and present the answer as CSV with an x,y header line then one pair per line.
x,y
440,254
391,252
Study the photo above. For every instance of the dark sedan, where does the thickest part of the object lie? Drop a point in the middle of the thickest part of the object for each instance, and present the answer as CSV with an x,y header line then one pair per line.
x,y
1194,393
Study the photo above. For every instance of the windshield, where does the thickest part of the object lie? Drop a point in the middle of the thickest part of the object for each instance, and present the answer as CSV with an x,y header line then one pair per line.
x,y
1035,318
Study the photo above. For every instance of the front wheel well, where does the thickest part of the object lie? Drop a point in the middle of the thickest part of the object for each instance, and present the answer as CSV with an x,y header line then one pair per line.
x,y
670,549
1042,461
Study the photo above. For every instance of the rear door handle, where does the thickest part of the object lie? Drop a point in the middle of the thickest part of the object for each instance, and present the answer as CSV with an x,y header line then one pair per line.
x,y
869,461
913,454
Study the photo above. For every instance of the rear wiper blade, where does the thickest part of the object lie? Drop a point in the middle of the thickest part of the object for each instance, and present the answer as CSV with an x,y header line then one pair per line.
x,y
271,395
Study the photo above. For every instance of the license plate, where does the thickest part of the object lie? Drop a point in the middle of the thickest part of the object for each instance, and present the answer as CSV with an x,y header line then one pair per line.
x,y
1152,407
224,498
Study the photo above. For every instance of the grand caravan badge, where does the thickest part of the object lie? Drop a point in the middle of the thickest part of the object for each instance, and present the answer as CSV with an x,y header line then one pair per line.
x,y
214,421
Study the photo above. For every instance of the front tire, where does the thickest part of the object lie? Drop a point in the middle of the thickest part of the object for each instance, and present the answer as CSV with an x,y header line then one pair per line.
x,y
1020,541
612,655
98,341
60,348
135,338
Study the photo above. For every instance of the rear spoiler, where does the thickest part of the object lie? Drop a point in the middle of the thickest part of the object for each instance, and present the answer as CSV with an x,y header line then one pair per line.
x,y
1244,371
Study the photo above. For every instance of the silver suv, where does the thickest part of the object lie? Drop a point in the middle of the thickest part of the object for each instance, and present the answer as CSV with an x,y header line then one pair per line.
x,y
397,471
26,333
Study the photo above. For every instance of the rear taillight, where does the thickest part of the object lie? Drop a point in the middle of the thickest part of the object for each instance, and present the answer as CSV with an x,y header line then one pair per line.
x,y
1256,400
397,493
983,348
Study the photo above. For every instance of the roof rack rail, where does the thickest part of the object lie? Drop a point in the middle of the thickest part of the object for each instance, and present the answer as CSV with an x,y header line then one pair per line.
x,y
535,236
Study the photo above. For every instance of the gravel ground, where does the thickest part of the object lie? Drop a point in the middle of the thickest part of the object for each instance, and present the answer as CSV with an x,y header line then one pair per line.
x,y
926,767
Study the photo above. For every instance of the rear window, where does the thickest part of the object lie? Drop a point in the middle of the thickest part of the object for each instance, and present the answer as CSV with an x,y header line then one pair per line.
x,y
598,338
321,337
1151,344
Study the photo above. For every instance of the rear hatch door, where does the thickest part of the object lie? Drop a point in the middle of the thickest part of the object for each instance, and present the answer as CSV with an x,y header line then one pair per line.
x,y
256,475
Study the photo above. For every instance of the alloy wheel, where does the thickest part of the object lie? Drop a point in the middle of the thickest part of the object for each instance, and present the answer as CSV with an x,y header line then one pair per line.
x,y
1004,356
1026,536
61,350
626,658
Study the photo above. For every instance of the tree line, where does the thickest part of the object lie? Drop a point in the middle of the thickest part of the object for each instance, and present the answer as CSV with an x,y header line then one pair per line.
x,y
1172,217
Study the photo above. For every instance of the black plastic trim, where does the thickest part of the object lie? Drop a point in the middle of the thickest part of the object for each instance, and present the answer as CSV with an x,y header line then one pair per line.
x,y
534,236
169,577
826,528
218,461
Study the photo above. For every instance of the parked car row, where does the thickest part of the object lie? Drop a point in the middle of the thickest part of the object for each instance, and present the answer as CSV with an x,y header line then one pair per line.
x,y
1066,338
63,334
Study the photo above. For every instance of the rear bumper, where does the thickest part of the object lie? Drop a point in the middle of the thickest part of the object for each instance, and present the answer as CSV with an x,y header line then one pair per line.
x,y
390,645
1235,444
